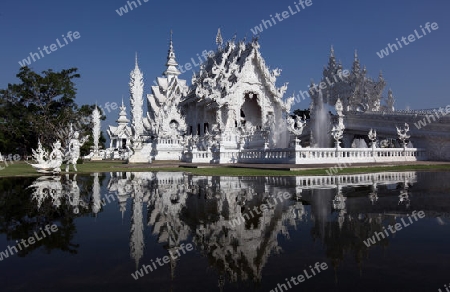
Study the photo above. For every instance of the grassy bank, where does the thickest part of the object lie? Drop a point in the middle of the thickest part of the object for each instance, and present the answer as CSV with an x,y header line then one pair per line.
x,y
23,169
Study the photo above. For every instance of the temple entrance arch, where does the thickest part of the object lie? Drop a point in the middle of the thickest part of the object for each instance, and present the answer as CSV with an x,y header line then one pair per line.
x,y
250,112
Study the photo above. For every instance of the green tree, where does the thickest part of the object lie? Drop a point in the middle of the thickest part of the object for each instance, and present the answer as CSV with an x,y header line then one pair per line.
x,y
41,106
299,112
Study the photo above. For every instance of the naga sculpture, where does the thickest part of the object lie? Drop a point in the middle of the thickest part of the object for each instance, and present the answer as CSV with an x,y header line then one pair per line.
x,y
48,163
403,134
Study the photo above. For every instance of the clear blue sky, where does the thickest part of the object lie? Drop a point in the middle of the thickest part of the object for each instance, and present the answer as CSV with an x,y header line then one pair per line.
x,y
299,45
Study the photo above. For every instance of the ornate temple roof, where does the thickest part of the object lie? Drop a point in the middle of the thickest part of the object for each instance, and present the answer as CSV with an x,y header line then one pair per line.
x,y
357,91
231,65
122,129
171,64
122,120
163,102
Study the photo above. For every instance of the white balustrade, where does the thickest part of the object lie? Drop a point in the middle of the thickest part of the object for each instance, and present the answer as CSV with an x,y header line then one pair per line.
x,y
355,179
169,141
330,155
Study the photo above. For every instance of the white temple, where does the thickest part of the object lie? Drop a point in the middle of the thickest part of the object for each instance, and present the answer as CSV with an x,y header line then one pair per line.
x,y
120,135
233,112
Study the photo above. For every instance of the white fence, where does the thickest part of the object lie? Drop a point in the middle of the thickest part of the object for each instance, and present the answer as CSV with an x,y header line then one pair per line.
x,y
331,155
331,181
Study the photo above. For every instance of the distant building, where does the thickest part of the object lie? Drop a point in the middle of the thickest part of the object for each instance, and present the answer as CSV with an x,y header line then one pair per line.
x,y
120,135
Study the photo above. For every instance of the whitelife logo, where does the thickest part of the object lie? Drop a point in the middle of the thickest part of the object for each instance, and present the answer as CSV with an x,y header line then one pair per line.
x,y
281,16
380,235
411,38
301,278
423,123
161,262
263,207
123,10
53,48
11,250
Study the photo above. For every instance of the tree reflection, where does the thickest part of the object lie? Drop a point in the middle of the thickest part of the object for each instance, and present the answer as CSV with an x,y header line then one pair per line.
x,y
54,201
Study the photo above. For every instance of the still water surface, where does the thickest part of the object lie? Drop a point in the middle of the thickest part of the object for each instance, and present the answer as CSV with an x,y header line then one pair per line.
x,y
198,233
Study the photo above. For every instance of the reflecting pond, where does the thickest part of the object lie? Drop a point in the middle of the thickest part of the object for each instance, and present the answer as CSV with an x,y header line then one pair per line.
x,y
161,231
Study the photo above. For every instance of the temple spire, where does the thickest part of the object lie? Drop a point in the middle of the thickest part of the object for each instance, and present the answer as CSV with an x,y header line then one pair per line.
x,y
171,62
380,76
136,61
330,70
123,115
390,101
356,68
136,99
219,39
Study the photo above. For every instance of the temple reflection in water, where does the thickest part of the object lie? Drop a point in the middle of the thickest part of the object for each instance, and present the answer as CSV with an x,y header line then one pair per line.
x,y
209,212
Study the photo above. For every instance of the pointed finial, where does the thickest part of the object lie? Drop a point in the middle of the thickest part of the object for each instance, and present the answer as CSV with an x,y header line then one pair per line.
x,y
332,51
135,59
171,43
171,40
171,61
219,39
356,55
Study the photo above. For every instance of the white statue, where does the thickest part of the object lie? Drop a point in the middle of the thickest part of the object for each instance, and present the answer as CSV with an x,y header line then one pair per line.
x,y
403,134
73,151
48,163
290,123
47,187
295,127
56,157
40,155
300,123
339,108
337,133
390,101
373,137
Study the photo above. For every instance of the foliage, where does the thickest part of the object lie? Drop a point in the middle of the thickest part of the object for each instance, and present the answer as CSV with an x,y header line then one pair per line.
x,y
20,217
301,113
39,107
